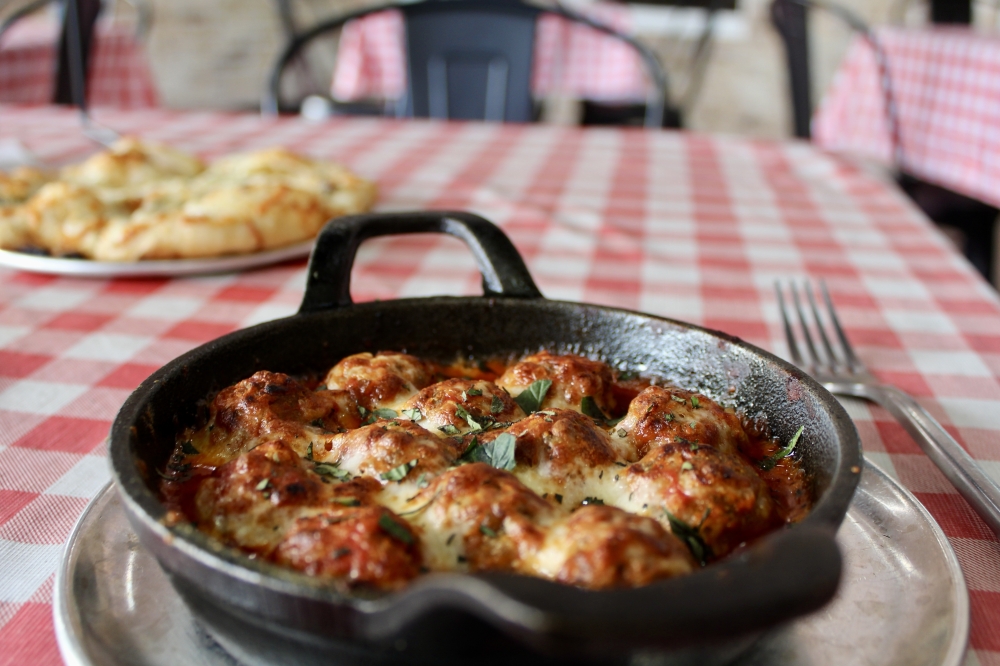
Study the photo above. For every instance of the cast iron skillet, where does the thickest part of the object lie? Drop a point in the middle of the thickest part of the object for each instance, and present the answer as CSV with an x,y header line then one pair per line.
x,y
265,612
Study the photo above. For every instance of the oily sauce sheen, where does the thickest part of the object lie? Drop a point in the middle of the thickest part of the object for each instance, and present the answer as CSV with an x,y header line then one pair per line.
x,y
554,466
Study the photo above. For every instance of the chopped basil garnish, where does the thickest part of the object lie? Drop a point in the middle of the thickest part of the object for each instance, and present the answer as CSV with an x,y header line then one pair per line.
x,y
362,411
346,501
686,466
309,452
499,453
691,536
399,472
613,422
422,481
772,460
332,470
473,424
677,398
413,414
263,484
394,529
589,407
474,391
622,432
496,405
694,402
449,429
592,500
487,530
530,399
627,375
558,497
385,413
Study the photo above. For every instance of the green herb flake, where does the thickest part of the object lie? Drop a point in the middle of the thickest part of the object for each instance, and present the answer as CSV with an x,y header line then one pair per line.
x,y
772,460
530,399
422,481
362,411
686,466
326,469
394,529
592,500
487,530
413,414
589,407
677,398
622,432
188,448
449,429
496,405
691,536
621,464
474,391
399,472
694,402
473,423
263,484
346,501
558,497
309,452
668,417
613,422
627,375
450,539
321,387
499,453
385,413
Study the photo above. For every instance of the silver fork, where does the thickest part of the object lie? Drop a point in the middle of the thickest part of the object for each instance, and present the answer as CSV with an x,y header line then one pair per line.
x,y
832,362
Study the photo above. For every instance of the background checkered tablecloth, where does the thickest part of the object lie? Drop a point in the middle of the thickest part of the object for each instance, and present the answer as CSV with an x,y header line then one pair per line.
x,y
683,225
946,87
570,58
119,72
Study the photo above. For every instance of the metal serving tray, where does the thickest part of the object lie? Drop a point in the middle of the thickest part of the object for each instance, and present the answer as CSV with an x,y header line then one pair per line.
x,y
902,601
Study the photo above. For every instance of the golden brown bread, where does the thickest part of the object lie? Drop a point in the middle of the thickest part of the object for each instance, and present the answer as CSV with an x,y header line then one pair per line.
x,y
140,200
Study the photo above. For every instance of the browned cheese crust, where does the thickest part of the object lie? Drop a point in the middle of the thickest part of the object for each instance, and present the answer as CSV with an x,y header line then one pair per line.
x,y
381,473
383,380
460,406
573,379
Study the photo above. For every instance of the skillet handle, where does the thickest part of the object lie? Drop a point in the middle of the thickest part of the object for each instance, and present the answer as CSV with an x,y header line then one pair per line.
x,y
329,280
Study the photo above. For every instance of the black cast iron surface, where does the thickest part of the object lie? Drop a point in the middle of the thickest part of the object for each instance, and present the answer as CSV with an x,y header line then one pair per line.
x,y
452,617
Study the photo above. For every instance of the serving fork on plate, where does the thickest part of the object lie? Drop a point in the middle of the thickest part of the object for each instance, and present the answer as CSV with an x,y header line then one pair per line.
x,y
830,359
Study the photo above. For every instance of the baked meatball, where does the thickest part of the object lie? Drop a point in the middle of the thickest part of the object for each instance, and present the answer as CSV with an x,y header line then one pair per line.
x,y
459,406
562,453
665,414
600,547
378,449
272,405
362,546
251,499
477,518
573,379
383,380
718,495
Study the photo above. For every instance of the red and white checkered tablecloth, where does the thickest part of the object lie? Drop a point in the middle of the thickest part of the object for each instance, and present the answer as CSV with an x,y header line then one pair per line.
x,y
946,88
570,58
687,226
119,72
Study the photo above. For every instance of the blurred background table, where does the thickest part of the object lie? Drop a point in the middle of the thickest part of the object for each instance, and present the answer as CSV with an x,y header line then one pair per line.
x,y
945,84
690,226
119,72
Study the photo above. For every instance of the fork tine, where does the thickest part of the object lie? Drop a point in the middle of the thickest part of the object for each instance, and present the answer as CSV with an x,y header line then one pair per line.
x,y
789,334
852,361
805,326
832,357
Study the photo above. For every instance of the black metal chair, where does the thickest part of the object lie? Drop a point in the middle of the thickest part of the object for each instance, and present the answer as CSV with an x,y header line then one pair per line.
x,y
76,37
469,59
974,219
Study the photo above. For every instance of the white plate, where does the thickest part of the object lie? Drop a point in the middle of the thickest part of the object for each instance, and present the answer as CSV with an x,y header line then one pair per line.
x,y
152,268
902,599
